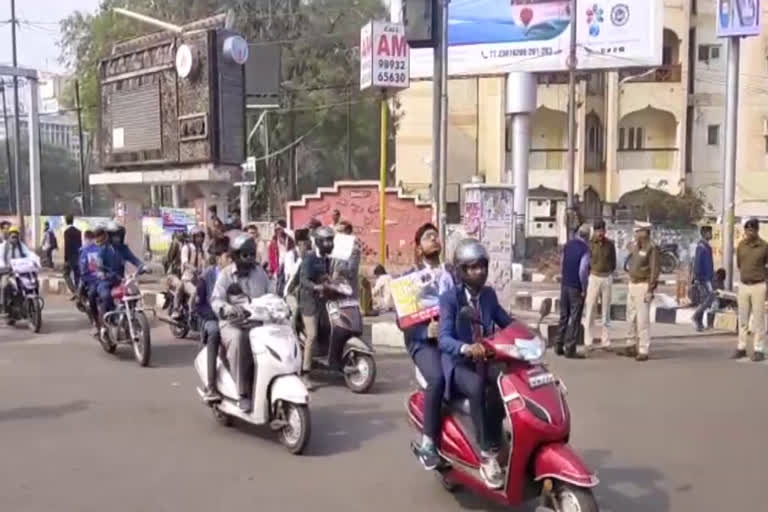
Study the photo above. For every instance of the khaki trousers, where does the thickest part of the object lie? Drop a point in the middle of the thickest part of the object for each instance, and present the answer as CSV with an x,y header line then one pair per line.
x,y
752,301
597,287
639,317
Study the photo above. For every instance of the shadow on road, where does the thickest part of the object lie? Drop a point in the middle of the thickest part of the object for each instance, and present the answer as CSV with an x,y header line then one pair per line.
x,y
340,428
622,489
43,411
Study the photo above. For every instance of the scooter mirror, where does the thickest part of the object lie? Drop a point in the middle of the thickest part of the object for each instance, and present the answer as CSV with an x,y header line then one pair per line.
x,y
468,314
545,309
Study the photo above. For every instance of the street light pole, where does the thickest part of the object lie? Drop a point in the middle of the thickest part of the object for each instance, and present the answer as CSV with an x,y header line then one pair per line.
x,y
571,210
729,158
16,125
443,153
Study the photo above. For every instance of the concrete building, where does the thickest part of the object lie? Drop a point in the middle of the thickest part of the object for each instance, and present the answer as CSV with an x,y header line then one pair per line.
x,y
660,127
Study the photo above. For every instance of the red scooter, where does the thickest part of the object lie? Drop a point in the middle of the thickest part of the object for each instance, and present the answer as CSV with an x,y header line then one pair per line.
x,y
536,457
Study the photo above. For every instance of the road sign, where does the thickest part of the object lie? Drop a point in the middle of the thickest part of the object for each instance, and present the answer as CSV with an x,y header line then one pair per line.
x,y
384,56
738,18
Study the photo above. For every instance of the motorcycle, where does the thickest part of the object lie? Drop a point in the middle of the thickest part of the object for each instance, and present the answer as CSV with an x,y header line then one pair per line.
x,y
339,347
535,454
25,302
128,322
280,398
669,259
187,321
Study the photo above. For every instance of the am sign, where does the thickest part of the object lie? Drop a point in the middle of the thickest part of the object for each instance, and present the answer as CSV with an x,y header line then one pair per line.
x,y
384,56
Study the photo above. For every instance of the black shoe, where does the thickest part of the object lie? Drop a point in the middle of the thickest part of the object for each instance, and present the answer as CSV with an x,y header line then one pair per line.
x,y
573,354
758,357
559,349
699,328
212,396
628,352
739,354
641,358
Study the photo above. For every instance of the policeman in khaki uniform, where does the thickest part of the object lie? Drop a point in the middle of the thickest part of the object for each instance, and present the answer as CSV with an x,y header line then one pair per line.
x,y
602,253
751,259
643,277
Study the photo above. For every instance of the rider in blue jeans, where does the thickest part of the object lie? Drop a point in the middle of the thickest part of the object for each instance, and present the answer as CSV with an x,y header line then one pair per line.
x,y
421,342
114,254
463,355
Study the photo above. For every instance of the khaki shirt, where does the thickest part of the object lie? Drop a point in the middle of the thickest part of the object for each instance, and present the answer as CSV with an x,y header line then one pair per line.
x,y
602,256
751,258
644,265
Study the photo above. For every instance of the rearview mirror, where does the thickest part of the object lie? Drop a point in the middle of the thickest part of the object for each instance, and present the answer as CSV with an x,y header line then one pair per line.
x,y
546,308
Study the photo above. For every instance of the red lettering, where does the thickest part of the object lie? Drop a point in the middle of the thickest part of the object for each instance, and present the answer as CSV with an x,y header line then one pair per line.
x,y
399,46
383,49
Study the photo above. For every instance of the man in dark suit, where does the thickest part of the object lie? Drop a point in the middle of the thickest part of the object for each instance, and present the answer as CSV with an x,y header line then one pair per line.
x,y
463,353
73,241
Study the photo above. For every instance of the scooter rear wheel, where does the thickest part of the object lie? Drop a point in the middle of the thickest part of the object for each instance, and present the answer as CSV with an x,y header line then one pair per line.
x,y
570,498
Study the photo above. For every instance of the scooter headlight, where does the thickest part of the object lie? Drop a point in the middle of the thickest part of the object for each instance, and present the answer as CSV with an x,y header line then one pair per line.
x,y
525,350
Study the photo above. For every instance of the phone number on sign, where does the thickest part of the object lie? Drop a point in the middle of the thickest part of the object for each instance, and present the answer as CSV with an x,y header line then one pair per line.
x,y
395,65
392,78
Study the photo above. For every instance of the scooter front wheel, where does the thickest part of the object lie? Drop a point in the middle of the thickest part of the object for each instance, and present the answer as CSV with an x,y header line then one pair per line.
x,y
570,498
359,372
294,435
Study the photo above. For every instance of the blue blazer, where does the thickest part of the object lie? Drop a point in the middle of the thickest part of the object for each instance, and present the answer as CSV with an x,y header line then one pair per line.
x,y
456,331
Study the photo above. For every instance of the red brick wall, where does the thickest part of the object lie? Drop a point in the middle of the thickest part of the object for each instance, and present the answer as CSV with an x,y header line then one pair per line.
x,y
359,204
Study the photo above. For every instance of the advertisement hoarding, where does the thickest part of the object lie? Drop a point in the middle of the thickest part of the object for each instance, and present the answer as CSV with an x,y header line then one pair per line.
x,y
737,17
500,36
384,56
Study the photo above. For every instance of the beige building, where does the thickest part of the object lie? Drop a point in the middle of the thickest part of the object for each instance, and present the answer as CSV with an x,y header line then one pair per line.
x,y
660,127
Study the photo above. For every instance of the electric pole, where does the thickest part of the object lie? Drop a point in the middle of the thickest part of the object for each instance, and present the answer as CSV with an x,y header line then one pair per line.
x,y
16,129
84,192
7,150
571,210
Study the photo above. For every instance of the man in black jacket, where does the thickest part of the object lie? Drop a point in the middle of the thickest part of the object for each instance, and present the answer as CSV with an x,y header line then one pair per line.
x,y
314,274
73,241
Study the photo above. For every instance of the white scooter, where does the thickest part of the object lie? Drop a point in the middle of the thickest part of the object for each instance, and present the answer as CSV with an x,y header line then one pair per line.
x,y
280,398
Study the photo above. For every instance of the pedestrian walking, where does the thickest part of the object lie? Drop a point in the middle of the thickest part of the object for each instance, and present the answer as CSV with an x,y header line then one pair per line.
x,y
602,262
575,274
643,278
751,260
703,275
73,241
49,245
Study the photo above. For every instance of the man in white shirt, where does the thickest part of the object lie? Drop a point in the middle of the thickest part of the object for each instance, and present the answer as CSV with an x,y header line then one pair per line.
x,y
192,264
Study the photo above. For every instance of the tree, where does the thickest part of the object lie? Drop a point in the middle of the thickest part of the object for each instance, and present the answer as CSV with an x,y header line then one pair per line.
x,y
320,67
59,177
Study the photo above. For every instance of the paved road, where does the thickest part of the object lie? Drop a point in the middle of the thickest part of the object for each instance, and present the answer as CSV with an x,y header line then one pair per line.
x,y
83,431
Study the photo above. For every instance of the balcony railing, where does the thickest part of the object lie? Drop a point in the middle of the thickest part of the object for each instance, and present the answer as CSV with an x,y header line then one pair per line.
x,y
668,73
547,159
652,158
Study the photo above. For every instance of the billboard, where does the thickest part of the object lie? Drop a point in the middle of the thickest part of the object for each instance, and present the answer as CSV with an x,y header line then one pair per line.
x,y
738,18
501,36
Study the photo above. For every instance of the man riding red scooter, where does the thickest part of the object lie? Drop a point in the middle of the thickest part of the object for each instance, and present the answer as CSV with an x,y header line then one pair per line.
x,y
506,423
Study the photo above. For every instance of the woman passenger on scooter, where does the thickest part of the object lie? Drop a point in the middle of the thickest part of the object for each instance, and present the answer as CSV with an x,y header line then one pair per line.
x,y
421,342
461,350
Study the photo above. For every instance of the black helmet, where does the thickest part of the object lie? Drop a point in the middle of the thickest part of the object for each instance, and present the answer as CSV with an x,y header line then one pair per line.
x,y
324,236
242,248
470,253
115,231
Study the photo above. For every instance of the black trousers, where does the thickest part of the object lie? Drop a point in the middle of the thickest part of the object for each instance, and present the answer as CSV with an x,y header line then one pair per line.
x,y
212,340
427,359
485,405
571,309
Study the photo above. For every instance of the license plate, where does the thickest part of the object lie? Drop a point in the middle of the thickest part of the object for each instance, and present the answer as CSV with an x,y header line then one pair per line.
x,y
541,379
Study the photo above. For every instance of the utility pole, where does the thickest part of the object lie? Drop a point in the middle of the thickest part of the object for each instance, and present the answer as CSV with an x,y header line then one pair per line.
x,y
16,124
349,133
443,178
84,192
571,207
7,149
437,98
731,127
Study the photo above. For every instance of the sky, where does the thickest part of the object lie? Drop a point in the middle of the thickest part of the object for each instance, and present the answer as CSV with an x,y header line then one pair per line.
x,y
39,31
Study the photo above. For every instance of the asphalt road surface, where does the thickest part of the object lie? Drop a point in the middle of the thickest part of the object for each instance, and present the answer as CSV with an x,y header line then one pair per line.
x,y
84,431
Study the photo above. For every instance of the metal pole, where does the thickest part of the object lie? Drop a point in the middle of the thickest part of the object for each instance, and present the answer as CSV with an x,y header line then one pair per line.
x,y
267,170
571,119
35,185
437,95
349,134
731,127
383,181
83,178
443,178
7,150
16,124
